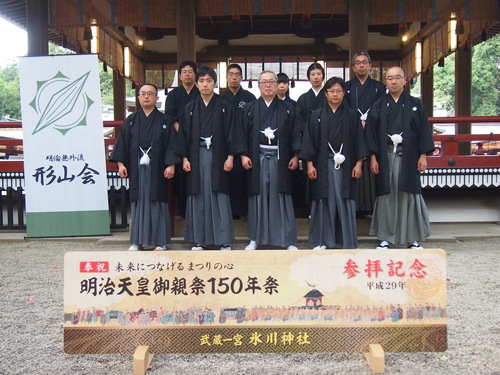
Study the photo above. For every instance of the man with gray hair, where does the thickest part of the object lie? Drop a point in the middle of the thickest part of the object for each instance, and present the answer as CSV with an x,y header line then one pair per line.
x,y
272,142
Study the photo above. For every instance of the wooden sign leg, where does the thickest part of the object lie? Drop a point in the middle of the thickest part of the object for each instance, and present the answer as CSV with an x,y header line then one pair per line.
x,y
142,359
375,358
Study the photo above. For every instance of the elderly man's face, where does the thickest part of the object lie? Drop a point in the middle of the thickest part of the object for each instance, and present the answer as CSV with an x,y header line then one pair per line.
x,y
268,86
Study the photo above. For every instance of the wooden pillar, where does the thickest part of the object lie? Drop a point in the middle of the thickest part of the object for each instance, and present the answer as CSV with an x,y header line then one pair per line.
x,y
119,100
358,27
427,90
186,26
37,12
463,94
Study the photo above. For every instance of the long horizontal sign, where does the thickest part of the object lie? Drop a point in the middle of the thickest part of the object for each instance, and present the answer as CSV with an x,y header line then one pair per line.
x,y
255,301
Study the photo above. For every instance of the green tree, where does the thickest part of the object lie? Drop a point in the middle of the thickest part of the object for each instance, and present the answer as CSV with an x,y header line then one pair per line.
x,y
55,49
444,83
9,92
106,81
486,78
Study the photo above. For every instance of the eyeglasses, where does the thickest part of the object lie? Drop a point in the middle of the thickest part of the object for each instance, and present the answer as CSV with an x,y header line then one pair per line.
x,y
359,62
335,91
147,93
234,74
267,83
397,78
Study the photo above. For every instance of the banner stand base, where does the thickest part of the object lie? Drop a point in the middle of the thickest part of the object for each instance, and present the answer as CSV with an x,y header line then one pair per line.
x,y
375,358
142,359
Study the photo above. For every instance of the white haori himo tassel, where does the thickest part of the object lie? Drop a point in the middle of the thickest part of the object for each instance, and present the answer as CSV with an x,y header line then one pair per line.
x,y
145,157
269,133
364,116
338,157
208,141
396,140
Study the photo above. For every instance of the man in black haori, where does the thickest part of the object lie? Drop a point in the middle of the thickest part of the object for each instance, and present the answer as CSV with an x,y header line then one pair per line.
x,y
399,137
272,141
205,142
145,154
361,92
175,102
237,97
334,147
183,94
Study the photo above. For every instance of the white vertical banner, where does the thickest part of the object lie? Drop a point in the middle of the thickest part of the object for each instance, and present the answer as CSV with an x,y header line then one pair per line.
x,y
64,154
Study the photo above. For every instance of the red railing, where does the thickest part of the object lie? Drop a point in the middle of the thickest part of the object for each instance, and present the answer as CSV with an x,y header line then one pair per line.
x,y
487,155
448,156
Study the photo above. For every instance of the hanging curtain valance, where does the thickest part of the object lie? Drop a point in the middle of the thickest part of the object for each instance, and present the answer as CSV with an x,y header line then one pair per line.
x,y
162,13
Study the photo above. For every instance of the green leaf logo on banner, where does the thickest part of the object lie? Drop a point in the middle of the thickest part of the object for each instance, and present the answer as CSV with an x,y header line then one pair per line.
x,y
62,103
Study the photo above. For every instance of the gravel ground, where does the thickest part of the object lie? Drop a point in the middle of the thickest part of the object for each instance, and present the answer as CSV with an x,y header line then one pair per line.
x,y
31,294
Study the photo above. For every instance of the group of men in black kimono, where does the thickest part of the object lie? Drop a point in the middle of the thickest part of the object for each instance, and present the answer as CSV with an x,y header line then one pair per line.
x,y
238,154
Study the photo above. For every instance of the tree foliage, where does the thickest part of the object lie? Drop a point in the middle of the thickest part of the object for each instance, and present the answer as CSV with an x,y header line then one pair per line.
x,y
444,83
485,79
9,92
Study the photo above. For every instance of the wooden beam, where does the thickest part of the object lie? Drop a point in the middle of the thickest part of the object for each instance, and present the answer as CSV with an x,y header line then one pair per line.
x,y
358,27
120,37
186,22
288,53
37,19
424,33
